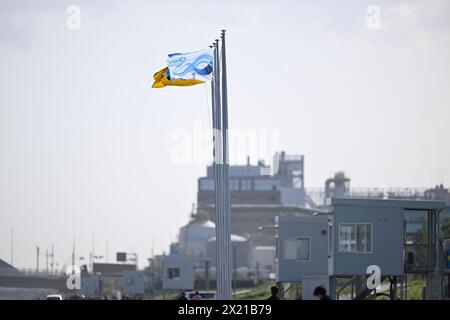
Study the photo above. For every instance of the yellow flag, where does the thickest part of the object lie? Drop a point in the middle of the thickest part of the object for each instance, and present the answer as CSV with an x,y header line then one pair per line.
x,y
161,80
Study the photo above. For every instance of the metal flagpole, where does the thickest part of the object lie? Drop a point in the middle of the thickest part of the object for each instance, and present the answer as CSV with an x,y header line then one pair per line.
x,y
215,87
226,189
216,151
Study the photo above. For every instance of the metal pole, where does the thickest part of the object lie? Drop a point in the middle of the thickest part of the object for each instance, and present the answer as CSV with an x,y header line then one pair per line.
x,y
12,246
53,259
46,260
206,274
215,164
234,270
226,189
37,259
222,228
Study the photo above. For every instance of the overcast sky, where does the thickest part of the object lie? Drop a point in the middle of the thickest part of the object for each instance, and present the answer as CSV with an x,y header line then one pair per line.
x,y
87,146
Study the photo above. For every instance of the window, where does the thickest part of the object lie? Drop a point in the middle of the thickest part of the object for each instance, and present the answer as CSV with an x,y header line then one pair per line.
x,y
355,237
173,273
206,184
246,184
266,184
297,249
416,222
234,184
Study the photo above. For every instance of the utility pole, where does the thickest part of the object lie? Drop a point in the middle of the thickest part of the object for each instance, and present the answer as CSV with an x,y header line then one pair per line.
x,y
12,246
46,260
37,259
53,259
93,251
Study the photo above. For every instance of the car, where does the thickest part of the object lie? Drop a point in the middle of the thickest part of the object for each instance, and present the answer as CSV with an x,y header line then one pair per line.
x,y
54,297
206,295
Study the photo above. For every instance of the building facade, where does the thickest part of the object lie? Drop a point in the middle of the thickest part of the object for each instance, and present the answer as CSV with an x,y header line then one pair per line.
x,y
258,193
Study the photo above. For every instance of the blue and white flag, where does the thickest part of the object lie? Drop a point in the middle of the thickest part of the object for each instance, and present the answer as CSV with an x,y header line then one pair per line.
x,y
192,65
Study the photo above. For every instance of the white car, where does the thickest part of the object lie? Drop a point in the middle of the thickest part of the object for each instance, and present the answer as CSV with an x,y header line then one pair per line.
x,y
54,297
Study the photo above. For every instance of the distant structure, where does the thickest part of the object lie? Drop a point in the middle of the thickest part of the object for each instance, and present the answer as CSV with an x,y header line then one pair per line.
x,y
112,268
259,193
240,251
194,235
338,186
438,193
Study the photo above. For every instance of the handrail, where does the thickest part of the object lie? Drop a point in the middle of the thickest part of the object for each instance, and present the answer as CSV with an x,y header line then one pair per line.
x,y
351,281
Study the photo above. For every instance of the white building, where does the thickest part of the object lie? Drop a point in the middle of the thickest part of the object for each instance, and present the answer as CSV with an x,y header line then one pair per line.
x,y
193,237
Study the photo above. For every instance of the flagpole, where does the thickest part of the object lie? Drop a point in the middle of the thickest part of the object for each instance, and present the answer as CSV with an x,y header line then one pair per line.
x,y
226,189
216,153
221,255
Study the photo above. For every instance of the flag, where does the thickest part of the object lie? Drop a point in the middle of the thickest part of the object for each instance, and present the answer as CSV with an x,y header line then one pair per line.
x,y
192,65
162,78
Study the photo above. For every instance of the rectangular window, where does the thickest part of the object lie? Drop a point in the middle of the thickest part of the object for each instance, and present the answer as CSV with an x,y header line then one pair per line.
x,y
355,237
266,184
206,184
173,273
234,184
297,249
246,184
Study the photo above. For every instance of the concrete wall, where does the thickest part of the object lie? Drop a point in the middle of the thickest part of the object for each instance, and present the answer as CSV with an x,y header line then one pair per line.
x,y
314,227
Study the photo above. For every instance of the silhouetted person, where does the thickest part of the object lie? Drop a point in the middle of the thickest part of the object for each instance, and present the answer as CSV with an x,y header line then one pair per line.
x,y
182,296
321,293
274,296
197,296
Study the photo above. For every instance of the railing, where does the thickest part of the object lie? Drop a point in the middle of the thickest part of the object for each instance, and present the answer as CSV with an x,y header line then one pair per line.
x,y
346,291
317,195
293,157
353,289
